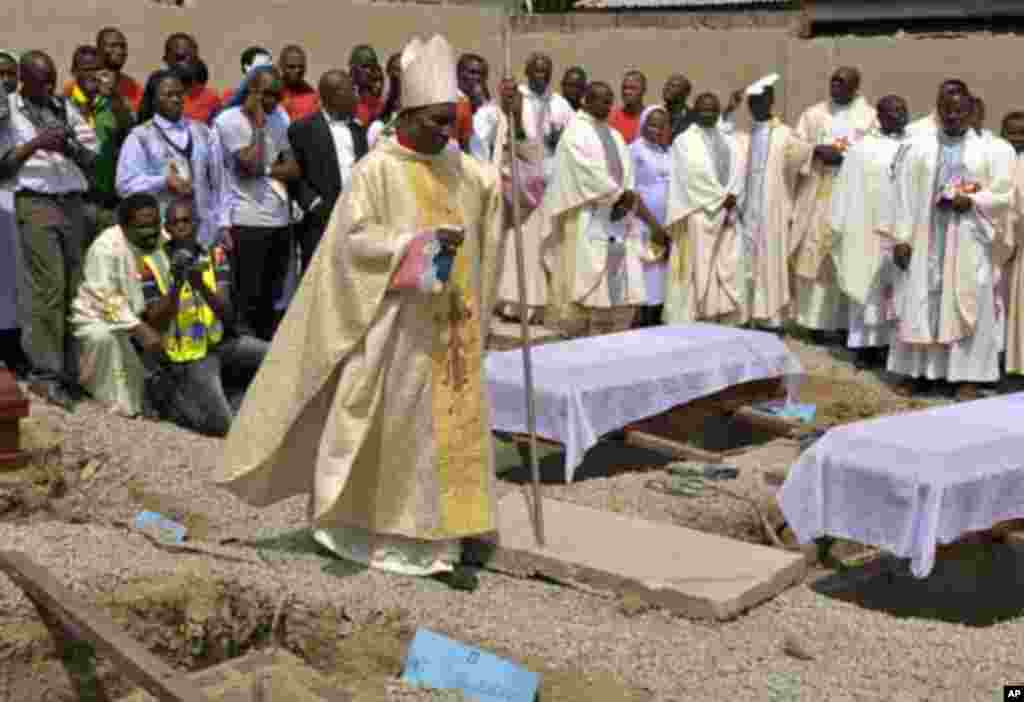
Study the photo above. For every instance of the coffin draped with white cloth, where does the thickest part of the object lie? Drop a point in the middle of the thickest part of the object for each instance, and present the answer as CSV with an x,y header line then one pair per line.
x,y
908,482
585,388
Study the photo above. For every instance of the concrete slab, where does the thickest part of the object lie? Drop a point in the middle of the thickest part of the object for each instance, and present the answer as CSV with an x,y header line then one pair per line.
x,y
698,575
286,677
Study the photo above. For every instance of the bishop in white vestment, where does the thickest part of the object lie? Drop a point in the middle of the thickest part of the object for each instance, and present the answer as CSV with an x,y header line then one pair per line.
x,y
372,398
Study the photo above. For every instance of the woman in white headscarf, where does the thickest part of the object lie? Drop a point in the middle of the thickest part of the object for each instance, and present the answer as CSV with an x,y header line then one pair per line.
x,y
11,352
652,161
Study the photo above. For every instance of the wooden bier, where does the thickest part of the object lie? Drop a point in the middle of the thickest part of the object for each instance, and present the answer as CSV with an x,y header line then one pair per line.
x,y
666,433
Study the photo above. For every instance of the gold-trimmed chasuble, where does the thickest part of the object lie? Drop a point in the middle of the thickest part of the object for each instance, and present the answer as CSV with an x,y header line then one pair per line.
x,y
461,419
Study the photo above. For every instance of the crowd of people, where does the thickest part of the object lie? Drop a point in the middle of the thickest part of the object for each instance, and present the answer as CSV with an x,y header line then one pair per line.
x,y
153,235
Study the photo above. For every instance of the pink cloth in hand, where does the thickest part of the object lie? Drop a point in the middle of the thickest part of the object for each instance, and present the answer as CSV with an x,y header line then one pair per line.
x,y
417,270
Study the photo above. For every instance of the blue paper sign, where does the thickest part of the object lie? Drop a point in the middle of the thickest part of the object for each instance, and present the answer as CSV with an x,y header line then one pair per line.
x,y
438,662
789,410
167,530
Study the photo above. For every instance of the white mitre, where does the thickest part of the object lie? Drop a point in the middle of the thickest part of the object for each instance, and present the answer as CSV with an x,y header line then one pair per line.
x,y
428,73
757,88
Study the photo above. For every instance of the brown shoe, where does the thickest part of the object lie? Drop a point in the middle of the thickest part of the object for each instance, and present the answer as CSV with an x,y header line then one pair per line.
x,y
967,392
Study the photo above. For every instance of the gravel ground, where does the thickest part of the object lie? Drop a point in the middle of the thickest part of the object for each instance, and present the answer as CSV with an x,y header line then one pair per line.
x,y
868,639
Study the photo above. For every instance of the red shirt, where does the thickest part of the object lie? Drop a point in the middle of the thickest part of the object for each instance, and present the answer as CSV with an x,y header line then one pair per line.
x,y
463,121
628,125
201,103
369,109
302,102
127,86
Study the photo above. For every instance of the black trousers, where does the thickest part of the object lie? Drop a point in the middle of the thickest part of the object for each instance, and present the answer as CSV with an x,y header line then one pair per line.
x,y
648,316
311,231
260,262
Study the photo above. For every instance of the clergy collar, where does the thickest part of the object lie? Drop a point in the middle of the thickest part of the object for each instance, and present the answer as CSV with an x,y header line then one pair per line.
x,y
836,107
950,139
335,120
166,124
398,147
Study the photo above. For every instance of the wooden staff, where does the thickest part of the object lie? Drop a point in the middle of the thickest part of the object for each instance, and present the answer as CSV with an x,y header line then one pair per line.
x,y
524,325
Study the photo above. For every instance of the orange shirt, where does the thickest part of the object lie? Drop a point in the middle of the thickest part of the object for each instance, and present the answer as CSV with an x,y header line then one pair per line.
x,y
628,125
127,86
463,120
302,102
201,104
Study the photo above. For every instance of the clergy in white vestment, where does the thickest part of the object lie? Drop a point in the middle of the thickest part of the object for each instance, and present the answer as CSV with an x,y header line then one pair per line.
x,y
832,126
766,209
929,124
594,250
546,114
492,143
950,220
1002,149
862,193
706,266
372,397
1013,133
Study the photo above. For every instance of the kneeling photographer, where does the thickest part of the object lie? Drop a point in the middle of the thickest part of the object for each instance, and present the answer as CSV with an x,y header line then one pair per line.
x,y
199,377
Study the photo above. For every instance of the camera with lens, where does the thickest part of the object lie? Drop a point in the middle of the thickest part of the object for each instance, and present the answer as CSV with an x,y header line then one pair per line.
x,y
186,260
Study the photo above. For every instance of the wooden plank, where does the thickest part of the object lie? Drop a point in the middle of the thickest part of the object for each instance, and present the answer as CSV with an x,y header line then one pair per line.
x,y
674,449
78,658
783,426
142,667
520,439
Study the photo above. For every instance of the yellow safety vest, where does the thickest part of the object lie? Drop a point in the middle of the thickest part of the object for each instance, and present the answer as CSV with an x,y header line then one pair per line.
x,y
196,329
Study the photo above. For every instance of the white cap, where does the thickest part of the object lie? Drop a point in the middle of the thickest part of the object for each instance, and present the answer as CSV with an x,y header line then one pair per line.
x,y
261,60
428,73
758,87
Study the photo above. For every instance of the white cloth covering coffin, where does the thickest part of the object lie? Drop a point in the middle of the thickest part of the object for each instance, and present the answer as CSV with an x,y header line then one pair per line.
x,y
588,387
908,482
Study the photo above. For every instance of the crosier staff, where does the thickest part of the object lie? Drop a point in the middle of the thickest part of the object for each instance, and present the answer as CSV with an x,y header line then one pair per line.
x,y
524,326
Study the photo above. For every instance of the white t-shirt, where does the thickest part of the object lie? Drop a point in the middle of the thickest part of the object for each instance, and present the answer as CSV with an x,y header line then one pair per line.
x,y
256,201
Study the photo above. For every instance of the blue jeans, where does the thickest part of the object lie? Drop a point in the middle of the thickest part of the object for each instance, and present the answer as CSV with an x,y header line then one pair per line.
x,y
208,392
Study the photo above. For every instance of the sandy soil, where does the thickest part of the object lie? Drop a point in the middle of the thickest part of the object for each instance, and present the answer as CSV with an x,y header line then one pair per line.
x,y
870,636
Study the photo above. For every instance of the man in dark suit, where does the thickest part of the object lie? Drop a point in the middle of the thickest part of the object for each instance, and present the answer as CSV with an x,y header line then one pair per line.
x,y
326,145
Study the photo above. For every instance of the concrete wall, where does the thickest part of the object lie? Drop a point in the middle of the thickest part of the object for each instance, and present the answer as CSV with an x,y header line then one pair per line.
x,y
715,59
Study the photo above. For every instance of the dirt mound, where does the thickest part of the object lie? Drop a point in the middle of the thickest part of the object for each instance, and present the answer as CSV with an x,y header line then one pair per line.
x,y
841,401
